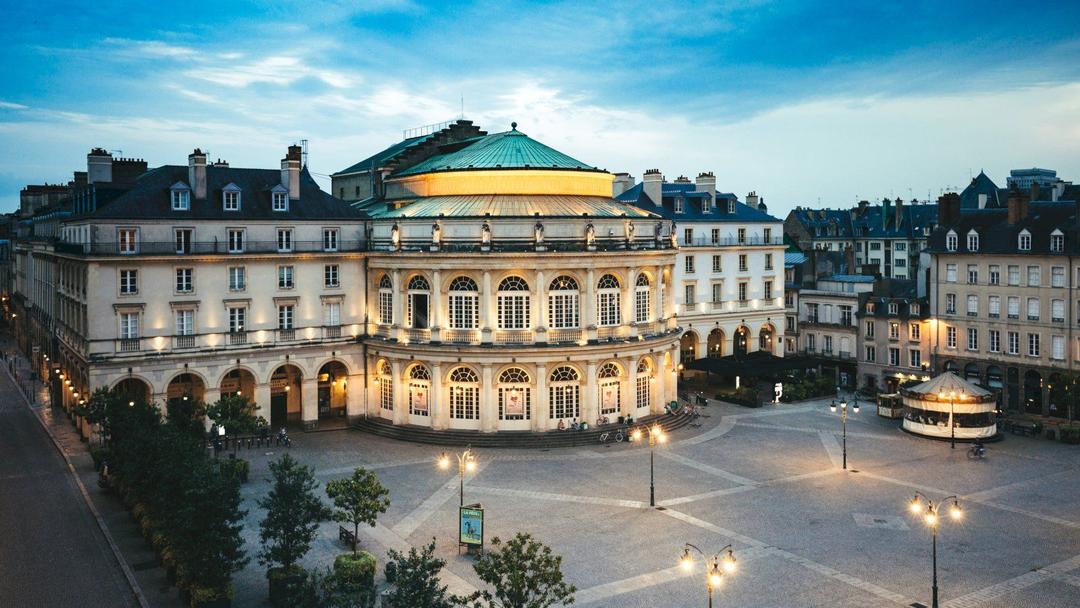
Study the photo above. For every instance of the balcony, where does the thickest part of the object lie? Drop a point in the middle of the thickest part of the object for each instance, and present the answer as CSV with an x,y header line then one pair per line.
x,y
607,332
415,334
731,241
514,336
237,338
718,306
129,345
286,335
384,331
331,332
109,248
185,341
560,336
461,336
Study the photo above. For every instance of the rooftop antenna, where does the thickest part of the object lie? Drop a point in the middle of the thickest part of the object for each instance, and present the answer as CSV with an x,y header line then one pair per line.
x,y
462,116
303,155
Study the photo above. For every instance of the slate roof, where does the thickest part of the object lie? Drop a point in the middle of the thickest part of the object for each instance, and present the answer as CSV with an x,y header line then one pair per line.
x,y
507,205
871,222
849,278
507,150
150,197
692,205
996,235
381,158
794,259
981,184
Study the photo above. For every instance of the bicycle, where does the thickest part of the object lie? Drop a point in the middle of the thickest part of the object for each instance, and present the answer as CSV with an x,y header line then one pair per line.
x,y
618,437
976,452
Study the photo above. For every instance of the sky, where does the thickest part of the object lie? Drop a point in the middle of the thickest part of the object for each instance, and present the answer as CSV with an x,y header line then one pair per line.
x,y
806,103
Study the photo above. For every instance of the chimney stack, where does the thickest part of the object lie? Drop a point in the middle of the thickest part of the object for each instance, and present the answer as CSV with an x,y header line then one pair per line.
x,y
899,214
290,172
622,183
197,174
948,209
1018,206
1036,191
653,185
99,166
706,182
752,199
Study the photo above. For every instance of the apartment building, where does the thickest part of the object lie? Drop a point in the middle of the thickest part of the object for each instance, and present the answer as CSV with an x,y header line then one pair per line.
x,y
894,335
828,324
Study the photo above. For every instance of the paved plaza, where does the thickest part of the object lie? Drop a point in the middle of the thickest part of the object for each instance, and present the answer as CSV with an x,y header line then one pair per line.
x,y
767,481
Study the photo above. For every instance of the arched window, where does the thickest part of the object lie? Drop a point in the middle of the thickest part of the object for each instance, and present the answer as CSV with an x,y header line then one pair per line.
x,y
464,304
972,240
464,394
643,387
1057,241
386,386
515,394
386,300
608,377
1023,241
563,306
607,301
564,393
419,387
419,292
950,241
641,299
513,303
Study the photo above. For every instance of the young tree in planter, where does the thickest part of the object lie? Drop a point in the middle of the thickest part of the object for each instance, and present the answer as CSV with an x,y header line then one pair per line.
x,y
234,412
358,499
415,577
293,513
523,573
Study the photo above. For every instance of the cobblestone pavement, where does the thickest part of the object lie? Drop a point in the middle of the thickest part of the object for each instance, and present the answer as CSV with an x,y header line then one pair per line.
x,y
768,481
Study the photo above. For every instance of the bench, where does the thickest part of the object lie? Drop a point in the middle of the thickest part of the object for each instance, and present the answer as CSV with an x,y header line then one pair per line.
x,y
1023,428
346,536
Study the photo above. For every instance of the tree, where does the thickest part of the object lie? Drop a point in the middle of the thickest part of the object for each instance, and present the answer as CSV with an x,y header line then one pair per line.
x,y
293,513
415,577
235,413
358,499
523,573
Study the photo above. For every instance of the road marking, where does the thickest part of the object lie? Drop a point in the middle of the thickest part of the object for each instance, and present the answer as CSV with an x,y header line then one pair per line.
x,y
570,498
992,492
696,497
1016,583
408,524
832,448
806,429
391,540
694,464
800,477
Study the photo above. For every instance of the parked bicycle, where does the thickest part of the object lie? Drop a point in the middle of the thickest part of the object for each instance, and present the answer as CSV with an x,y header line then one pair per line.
x,y
977,451
618,436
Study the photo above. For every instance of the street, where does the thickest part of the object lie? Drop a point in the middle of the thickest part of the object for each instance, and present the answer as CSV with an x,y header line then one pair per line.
x,y
51,550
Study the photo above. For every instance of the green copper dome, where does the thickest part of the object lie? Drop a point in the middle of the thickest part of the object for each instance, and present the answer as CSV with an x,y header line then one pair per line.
x,y
507,150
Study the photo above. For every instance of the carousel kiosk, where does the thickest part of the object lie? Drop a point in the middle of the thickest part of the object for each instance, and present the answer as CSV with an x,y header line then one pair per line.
x,y
949,407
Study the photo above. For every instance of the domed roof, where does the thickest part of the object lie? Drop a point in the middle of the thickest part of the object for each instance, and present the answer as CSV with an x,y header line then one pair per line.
x,y
507,150
948,383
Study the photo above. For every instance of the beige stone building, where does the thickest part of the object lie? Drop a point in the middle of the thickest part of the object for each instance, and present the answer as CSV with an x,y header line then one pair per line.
x,y
894,336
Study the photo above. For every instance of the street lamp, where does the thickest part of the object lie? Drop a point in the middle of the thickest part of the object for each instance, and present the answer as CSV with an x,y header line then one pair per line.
x,y
843,421
656,435
715,566
930,511
466,463
952,396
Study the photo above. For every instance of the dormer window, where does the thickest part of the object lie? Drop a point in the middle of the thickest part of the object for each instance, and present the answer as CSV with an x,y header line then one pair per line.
x,y
180,195
1057,241
731,207
678,205
280,198
706,204
230,198
973,241
1024,241
950,241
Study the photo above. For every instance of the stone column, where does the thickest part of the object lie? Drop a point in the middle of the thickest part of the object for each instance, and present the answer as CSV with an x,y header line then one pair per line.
x,y
398,295
440,413
589,306
590,406
657,289
627,312
540,417
438,322
309,403
355,397
401,393
539,311
489,416
660,388
630,403
262,400
487,310
669,297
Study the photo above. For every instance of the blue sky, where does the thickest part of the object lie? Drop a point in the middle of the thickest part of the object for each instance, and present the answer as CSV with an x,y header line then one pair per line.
x,y
801,101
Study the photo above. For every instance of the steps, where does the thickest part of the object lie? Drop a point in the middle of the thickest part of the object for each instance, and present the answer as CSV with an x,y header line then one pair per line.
x,y
505,439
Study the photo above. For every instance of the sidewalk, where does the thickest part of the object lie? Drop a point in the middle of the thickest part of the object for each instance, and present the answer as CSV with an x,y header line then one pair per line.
x,y
140,558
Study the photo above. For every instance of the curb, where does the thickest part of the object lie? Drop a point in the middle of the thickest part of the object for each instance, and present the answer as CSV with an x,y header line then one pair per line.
x,y
128,574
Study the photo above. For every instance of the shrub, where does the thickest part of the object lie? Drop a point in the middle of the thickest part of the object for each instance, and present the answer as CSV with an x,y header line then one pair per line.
x,y
236,469
356,568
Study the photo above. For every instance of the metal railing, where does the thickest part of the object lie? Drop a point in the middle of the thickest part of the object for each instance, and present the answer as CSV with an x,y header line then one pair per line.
x,y
418,335
202,247
564,335
514,336
129,345
730,241
286,335
237,337
461,336
332,331
187,341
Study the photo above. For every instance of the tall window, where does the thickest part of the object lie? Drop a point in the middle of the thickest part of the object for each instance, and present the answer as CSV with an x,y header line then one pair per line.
x,y
741,235
915,357
515,394
129,325
185,322
1057,276
331,277
743,265
972,306
641,299
386,385
972,339
386,301
950,303
1014,274
643,385
1024,241
184,282
1057,310
688,264
608,380
564,393
1057,347
768,289
766,236
127,240
514,303
237,278
1014,342
464,303
332,314
914,331
230,200
281,201
1033,309
950,273
1057,243
129,282
768,261
285,277
237,319
973,241
417,312
563,309
284,239
285,316
1034,276
607,301
950,241
236,241
1013,304
183,240
330,239
973,274
1033,345
181,199
717,263
419,386
995,274
995,340
950,337
464,394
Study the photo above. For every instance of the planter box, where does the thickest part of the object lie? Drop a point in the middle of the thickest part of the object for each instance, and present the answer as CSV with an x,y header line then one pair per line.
x,y
282,586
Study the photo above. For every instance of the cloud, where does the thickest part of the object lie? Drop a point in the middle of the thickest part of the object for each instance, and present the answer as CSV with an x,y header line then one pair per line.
x,y
151,48
8,105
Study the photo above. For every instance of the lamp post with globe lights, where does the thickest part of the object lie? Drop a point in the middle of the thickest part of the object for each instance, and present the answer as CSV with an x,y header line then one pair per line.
x,y
466,464
952,396
656,435
716,566
843,421
931,514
